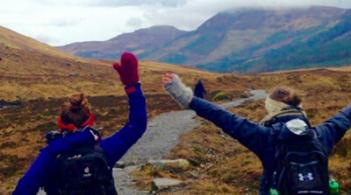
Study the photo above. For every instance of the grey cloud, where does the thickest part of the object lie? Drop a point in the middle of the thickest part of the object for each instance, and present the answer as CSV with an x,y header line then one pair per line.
x,y
45,39
63,23
135,22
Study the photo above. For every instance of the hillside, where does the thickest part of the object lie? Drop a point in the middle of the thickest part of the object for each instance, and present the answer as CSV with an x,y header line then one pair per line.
x,y
139,42
32,70
257,40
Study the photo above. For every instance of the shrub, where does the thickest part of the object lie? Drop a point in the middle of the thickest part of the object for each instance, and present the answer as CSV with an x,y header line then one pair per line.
x,y
220,96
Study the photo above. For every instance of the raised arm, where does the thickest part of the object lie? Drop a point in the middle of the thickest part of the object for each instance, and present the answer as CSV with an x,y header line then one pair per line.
x,y
332,130
35,176
251,135
118,144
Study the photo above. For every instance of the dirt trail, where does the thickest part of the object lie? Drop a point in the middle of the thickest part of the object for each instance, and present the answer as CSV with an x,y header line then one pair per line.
x,y
160,137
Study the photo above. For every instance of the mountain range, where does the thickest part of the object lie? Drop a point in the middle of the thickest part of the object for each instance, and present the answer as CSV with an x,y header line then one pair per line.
x,y
241,40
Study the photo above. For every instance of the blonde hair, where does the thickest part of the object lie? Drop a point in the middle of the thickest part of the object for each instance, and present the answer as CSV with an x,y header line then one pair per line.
x,y
286,95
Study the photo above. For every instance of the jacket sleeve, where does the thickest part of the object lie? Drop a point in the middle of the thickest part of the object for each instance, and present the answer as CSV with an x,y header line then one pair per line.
x,y
332,130
251,135
35,176
118,144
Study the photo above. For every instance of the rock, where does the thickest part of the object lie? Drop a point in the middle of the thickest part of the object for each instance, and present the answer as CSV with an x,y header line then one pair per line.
x,y
246,94
122,164
181,164
160,184
74,74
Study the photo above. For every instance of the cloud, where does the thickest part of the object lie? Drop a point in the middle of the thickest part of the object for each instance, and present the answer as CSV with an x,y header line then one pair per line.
x,y
134,22
61,22
45,39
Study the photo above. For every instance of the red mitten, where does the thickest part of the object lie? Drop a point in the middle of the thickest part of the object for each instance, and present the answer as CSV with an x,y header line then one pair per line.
x,y
128,69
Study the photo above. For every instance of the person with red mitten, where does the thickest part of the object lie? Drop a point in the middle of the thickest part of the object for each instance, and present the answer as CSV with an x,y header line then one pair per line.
x,y
76,159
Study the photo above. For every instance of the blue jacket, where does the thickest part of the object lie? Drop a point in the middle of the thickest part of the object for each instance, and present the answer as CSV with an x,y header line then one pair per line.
x,y
258,138
114,146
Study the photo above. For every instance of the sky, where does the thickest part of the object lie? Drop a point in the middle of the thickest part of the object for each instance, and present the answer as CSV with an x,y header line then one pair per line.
x,y
59,22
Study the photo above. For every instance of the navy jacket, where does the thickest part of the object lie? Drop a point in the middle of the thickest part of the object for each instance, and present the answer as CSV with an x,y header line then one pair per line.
x,y
114,146
258,138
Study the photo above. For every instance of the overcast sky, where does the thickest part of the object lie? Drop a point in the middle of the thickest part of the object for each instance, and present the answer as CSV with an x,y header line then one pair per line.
x,y
59,22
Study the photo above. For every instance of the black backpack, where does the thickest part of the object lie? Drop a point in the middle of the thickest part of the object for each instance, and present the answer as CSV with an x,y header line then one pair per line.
x,y
84,171
302,166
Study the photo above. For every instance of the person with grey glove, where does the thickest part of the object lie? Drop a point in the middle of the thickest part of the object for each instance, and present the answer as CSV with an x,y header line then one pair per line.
x,y
286,122
178,91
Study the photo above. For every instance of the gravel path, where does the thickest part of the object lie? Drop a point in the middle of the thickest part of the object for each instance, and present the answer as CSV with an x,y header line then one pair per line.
x,y
160,137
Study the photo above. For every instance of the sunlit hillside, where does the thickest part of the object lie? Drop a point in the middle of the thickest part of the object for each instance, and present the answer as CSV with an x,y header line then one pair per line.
x,y
31,70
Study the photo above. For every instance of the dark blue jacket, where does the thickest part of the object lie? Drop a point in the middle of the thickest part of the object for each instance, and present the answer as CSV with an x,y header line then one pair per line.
x,y
259,139
114,146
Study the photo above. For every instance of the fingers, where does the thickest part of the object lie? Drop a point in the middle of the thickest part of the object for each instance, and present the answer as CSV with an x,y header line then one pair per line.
x,y
116,66
167,78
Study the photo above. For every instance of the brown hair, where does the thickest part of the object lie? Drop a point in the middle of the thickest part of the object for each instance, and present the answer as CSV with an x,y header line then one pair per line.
x,y
286,95
76,111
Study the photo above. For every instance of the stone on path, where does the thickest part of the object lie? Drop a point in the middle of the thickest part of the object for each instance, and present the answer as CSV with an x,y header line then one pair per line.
x,y
171,164
160,184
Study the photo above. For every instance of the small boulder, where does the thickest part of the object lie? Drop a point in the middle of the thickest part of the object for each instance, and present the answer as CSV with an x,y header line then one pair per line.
x,y
120,164
178,164
161,184
73,74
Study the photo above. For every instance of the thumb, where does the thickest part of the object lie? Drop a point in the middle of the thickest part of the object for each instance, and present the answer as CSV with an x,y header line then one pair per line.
x,y
116,66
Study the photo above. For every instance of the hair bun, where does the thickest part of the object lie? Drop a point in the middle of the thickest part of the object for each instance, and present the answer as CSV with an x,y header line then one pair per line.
x,y
78,102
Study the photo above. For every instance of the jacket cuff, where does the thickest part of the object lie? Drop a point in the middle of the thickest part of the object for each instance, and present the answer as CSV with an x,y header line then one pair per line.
x,y
347,111
133,89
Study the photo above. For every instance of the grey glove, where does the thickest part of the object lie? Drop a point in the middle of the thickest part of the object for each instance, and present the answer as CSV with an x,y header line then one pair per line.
x,y
179,92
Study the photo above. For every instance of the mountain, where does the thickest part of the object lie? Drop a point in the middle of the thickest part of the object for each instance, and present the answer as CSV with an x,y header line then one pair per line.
x,y
257,40
138,42
321,38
